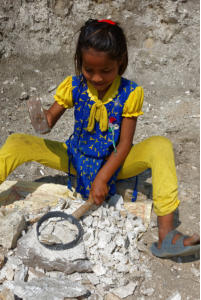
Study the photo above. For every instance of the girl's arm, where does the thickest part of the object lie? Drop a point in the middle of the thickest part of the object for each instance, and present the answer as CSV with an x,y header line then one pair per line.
x,y
99,189
54,113
43,120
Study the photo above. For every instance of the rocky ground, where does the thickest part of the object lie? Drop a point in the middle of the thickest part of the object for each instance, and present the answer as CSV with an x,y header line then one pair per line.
x,y
163,39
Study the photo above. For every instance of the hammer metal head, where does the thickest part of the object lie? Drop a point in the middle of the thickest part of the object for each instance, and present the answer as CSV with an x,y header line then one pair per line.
x,y
37,116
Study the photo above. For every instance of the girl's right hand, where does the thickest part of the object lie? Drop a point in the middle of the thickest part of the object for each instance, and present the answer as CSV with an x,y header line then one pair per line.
x,y
54,113
99,191
43,120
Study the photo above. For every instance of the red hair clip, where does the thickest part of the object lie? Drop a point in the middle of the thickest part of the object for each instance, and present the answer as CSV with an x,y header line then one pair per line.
x,y
107,21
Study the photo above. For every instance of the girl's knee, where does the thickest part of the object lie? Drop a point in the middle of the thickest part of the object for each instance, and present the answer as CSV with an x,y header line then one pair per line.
x,y
160,143
160,149
16,137
16,141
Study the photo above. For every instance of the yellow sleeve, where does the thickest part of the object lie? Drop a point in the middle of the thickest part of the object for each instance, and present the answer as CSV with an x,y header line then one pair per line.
x,y
133,105
64,94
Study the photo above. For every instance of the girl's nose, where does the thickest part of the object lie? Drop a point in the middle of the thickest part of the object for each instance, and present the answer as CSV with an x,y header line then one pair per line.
x,y
97,78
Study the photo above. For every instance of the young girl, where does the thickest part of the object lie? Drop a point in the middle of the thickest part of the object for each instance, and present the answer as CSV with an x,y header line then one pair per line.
x,y
100,149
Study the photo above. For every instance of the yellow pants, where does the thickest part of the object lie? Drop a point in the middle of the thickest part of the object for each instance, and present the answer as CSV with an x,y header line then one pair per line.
x,y
155,152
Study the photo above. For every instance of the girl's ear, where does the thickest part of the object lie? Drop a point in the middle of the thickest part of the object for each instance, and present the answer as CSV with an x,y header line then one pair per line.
x,y
123,62
121,66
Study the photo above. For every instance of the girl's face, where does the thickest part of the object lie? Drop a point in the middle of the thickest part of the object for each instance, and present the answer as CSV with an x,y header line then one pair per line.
x,y
99,69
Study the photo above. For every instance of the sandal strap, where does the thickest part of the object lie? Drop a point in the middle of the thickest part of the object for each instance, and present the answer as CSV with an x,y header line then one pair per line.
x,y
167,242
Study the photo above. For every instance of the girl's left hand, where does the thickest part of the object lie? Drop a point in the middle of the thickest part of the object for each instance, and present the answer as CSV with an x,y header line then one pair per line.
x,y
99,191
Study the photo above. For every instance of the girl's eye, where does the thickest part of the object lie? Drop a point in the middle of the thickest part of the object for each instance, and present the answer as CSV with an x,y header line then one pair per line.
x,y
106,71
86,69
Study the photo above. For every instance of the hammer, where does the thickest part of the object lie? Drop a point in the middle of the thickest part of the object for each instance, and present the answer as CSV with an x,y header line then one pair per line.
x,y
38,116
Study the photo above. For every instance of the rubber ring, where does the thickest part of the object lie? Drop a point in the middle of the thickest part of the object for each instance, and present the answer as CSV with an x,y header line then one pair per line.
x,y
65,216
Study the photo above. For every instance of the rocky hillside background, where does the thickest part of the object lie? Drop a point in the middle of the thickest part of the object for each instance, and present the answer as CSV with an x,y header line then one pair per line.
x,y
37,42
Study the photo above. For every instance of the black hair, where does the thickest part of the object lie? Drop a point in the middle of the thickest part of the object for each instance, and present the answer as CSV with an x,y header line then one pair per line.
x,y
102,36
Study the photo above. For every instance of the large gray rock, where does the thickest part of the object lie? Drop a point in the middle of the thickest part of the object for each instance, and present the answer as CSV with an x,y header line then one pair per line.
x,y
11,226
47,288
33,254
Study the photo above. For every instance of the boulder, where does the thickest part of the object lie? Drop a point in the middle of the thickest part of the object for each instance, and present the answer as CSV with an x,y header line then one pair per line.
x,y
12,223
33,254
47,288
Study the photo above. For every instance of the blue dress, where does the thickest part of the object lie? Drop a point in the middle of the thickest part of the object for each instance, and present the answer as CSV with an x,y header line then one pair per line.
x,y
87,151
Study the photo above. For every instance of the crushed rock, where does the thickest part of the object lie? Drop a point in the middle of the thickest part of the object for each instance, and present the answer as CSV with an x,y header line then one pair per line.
x,y
104,260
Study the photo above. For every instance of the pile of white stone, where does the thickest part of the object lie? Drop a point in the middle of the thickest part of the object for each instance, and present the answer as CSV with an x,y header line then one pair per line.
x,y
111,240
106,262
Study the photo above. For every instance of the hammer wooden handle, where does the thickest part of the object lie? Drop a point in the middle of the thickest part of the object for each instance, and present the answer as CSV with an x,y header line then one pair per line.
x,y
83,209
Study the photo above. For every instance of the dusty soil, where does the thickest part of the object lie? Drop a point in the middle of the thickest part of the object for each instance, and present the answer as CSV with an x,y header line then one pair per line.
x,y
171,109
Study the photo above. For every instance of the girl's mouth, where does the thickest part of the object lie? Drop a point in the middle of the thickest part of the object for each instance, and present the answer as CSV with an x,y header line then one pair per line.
x,y
98,84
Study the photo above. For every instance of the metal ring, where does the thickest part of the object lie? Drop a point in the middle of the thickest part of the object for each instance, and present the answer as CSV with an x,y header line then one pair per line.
x,y
65,216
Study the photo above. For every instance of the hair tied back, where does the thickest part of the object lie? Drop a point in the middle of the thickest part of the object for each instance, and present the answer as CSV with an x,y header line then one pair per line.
x,y
107,21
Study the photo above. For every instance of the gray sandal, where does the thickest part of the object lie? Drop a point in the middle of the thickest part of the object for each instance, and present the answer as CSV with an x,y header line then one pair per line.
x,y
178,249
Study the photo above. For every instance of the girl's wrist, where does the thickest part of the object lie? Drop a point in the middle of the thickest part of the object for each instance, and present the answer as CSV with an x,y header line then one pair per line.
x,y
48,117
101,178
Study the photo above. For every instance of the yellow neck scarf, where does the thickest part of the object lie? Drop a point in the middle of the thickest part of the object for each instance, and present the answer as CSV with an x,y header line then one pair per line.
x,y
98,111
